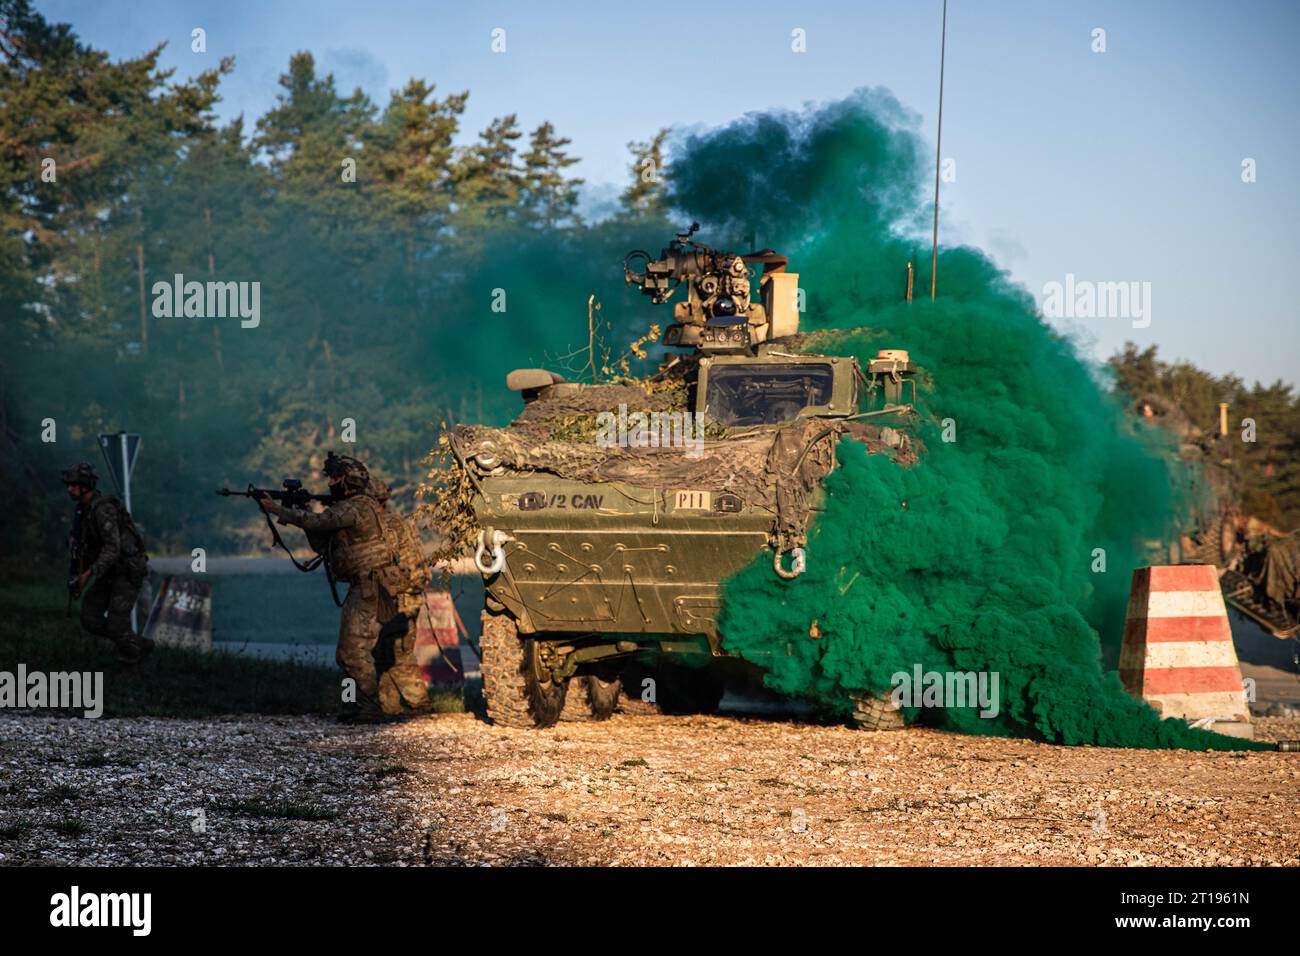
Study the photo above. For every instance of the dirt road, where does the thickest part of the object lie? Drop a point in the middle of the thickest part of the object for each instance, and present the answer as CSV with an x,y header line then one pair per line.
x,y
637,790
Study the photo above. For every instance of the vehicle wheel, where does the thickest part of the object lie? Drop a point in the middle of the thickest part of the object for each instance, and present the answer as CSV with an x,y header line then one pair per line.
x,y
514,693
689,690
591,698
1217,544
876,712
602,695
1227,539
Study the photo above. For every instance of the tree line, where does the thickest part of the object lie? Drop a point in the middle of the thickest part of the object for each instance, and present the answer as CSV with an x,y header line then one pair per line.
x,y
1263,425
379,237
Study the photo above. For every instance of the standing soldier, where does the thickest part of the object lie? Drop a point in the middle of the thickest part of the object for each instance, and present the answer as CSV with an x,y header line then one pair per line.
x,y
363,548
106,547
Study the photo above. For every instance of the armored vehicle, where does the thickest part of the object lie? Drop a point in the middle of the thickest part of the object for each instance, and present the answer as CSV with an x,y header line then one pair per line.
x,y
1258,564
605,517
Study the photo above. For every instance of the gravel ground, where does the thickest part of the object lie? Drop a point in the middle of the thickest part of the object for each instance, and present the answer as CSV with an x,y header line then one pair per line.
x,y
451,789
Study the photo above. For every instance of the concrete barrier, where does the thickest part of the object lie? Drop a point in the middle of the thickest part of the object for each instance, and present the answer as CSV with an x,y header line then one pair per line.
x,y
1177,653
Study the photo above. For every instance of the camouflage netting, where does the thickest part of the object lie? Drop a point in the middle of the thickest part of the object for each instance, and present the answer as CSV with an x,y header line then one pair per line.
x,y
565,401
774,467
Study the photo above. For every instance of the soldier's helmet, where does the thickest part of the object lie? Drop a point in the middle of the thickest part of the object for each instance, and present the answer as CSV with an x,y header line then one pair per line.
x,y
355,475
379,490
82,473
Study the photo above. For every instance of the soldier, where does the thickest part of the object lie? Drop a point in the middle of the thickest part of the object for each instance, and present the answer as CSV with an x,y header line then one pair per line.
x,y
402,680
108,548
363,545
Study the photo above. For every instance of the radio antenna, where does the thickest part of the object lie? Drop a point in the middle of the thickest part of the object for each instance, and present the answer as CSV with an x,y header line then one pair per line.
x,y
938,146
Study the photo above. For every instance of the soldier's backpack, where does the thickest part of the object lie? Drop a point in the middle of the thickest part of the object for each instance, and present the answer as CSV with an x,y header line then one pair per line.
x,y
406,572
128,535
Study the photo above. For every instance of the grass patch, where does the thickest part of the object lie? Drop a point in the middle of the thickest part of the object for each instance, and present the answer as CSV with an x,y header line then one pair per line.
x,y
68,827
62,791
277,810
171,682
637,762
102,758
446,700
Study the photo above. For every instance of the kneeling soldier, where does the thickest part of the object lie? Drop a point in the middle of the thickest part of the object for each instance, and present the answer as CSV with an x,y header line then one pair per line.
x,y
364,550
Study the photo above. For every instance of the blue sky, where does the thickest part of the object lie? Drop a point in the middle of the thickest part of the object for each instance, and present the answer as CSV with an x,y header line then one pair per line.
x,y
1114,166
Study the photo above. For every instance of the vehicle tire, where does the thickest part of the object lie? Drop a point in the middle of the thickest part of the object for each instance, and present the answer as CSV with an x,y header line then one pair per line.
x,y
876,712
689,690
575,703
591,698
603,695
1217,543
512,691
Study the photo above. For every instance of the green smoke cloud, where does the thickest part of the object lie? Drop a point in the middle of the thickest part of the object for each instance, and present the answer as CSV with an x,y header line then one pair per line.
x,y
980,557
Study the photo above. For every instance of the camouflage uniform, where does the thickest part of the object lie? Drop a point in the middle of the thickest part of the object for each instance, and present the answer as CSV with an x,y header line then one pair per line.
x,y
113,551
364,551
402,680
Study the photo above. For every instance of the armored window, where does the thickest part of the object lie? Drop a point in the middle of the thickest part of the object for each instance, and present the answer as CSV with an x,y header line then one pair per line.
x,y
765,394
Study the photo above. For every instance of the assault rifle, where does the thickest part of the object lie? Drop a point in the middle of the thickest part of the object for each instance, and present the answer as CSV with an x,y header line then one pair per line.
x,y
291,494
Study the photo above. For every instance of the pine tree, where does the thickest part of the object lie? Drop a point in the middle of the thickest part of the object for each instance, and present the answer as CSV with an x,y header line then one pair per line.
x,y
645,195
488,181
310,136
111,131
413,147
552,198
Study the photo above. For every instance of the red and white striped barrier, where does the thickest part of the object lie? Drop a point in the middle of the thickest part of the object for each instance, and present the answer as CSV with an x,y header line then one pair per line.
x,y
1177,653
437,635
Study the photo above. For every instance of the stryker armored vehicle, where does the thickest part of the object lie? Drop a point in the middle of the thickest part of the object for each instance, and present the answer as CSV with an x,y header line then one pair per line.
x,y
605,517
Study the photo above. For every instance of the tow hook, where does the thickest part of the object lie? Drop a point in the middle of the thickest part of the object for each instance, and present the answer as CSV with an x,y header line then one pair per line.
x,y
797,567
493,541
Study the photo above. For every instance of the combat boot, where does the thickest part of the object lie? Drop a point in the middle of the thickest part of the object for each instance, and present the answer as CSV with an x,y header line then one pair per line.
x,y
128,649
369,711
